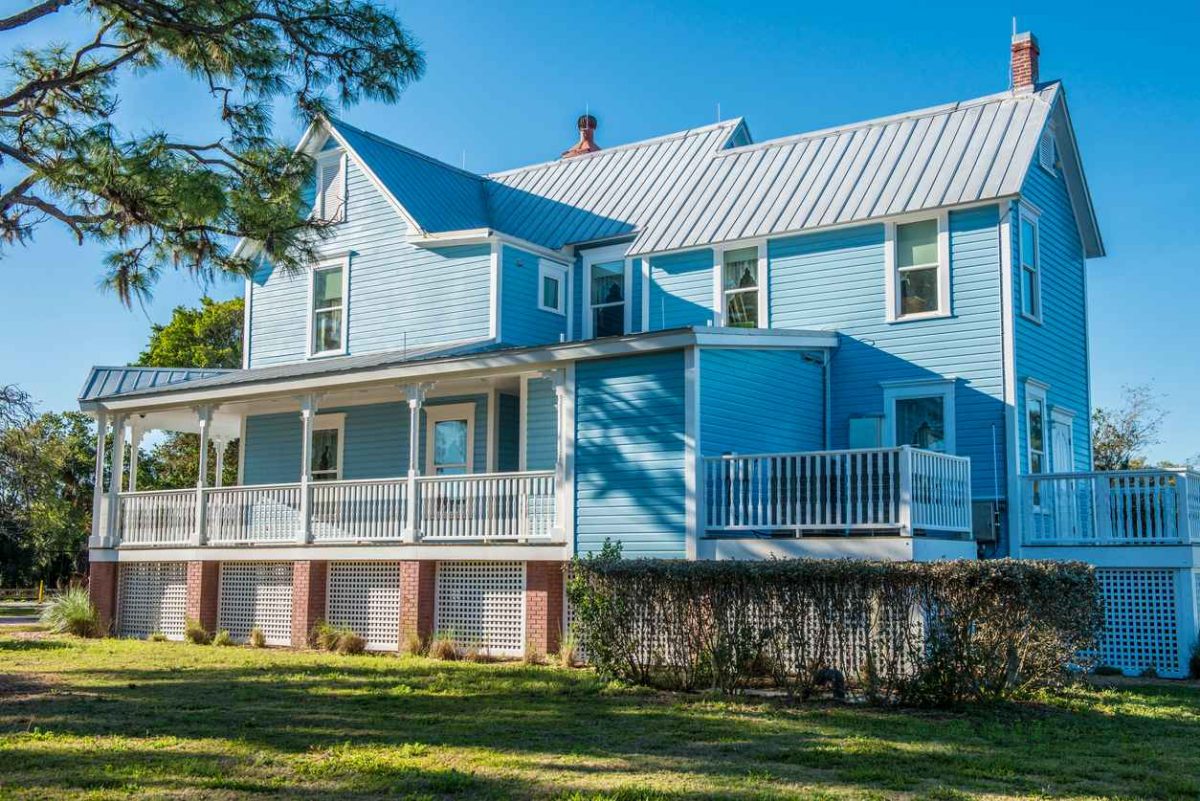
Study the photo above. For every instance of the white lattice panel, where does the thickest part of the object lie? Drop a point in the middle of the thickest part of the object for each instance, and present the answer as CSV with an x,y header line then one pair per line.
x,y
365,597
482,605
1141,627
152,597
256,594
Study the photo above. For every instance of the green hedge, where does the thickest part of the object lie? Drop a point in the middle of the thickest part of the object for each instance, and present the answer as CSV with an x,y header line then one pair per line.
x,y
915,633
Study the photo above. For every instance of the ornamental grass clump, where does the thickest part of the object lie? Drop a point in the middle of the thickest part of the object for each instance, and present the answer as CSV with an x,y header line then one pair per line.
x,y
935,634
223,638
257,638
339,639
195,633
72,612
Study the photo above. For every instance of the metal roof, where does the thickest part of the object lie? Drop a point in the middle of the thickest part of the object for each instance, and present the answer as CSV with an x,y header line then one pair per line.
x,y
106,381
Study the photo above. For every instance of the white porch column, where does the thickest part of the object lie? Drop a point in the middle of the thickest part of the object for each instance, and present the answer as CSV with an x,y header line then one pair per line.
x,y
136,433
115,475
219,445
564,458
308,410
204,422
415,393
99,500
906,495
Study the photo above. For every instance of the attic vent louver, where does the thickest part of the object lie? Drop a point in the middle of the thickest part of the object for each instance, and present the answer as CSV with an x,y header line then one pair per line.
x,y
1048,151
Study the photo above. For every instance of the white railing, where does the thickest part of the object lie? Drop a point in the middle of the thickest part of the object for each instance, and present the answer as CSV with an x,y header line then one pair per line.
x,y
493,506
358,511
1124,507
254,513
901,489
157,518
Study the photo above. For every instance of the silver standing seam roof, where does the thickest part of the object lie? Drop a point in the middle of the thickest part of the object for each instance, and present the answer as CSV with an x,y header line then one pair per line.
x,y
107,381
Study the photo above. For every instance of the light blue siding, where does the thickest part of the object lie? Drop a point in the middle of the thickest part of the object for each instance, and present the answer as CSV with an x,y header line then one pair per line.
x,y
399,294
1055,352
681,289
541,425
835,280
508,432
521,321
629,454
756,401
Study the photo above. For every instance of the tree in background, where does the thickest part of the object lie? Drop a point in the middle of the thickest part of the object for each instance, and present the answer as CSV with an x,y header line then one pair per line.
x,y
210,336
163,201
1121,435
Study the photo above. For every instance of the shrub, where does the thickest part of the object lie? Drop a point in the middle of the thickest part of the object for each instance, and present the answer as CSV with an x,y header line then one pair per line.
x,y
341,639
157,636
919,633
568,650
223,638
72,612
533,655
257,638
443,647
194,632
350,643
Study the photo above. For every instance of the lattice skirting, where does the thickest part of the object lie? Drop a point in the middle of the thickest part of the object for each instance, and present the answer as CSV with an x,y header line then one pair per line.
x,y
482,605
365,597
151,597
256,594
1141,621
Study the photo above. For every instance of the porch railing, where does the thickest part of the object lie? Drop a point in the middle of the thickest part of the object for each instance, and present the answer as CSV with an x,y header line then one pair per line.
x,y
902,489
477,507
1126,507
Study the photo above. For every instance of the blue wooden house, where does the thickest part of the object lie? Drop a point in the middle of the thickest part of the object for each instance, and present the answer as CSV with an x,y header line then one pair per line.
x,y
867,341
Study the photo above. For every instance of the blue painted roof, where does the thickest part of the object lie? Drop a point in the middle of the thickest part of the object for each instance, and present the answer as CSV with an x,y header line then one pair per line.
x,y
108,381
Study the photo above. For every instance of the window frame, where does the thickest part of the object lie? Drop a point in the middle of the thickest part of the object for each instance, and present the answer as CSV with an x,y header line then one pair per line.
x,y
925,388
721,295
891,266
442,412
342,262
329,422
324,160
1026,213
606,255
552,269
1036,391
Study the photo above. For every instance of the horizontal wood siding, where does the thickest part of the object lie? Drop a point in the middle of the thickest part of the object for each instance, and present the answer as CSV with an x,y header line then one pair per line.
x,y
508,432
681,289
398,293
629,454
521,321
835,280
541,425
1055,352
756,401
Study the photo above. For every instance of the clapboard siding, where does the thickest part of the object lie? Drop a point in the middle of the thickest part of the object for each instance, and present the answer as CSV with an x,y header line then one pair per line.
x,y
835,280
508,432
541,425
1055,352
629,454
521,321
681,289
756,401
399,294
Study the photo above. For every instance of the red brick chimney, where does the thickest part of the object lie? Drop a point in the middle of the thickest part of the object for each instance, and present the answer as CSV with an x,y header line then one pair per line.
x,y
1024,61
587,138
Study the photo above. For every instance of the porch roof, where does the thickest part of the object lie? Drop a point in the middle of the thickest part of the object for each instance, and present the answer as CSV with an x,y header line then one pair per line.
x,y
416,364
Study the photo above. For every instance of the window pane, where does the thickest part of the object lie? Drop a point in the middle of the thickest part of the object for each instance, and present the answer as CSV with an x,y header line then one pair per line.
x,y
324,452
919,291
608,321
741,268
550,292
450,445
608,283
920,422
1028,292
741,309
1037,441
1028,242
916,243
328,334
327,288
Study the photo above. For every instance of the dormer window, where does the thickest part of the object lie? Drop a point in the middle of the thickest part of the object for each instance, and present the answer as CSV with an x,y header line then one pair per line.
x,y
329,282
330,202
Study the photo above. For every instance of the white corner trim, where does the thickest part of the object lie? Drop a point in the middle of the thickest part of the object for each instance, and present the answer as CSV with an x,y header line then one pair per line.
x,y
494,286
693,493
247,320
523,422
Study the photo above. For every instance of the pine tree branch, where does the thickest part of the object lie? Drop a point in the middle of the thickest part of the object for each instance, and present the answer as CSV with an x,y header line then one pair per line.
x,y
32,13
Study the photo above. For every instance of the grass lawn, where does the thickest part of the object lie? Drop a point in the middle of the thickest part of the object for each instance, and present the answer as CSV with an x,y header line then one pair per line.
x,y
114,719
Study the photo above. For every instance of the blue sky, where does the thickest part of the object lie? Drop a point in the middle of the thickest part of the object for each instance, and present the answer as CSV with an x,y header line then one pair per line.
x,y
505,82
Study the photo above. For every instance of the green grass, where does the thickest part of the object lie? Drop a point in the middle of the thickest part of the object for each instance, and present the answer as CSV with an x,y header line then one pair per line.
x,y
115,719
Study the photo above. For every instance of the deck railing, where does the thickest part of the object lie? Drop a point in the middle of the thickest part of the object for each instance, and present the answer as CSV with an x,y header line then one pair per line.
x,y
1125,507
901,489
478,507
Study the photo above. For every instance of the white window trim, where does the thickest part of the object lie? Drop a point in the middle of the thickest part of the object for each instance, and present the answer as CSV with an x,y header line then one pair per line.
x,y
329,264
1030,214
600,256
1036,390
719,252
335,421
892,274
552,269
925,388
324,160
449,411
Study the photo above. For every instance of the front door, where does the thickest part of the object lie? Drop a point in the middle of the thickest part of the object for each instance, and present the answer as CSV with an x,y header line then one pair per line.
x,y
1062,445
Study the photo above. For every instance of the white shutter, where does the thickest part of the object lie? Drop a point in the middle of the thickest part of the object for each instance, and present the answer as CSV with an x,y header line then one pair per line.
x,y
331,187
1047,156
